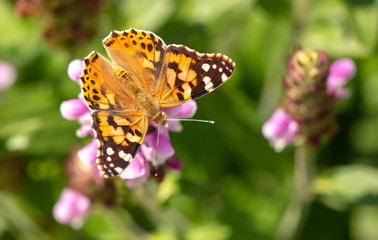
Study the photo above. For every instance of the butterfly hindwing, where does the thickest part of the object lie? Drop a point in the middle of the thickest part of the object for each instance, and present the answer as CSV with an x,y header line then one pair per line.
x,y
119,134
187,74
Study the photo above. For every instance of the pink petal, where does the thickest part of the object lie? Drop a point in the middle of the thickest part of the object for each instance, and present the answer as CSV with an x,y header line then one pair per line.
x,y
281,130
343,67
72,208
277,124
73,109
137,172
165,148
188,110
136,169
8,75
172,111
88,153
84,131
174,126
75,69
174,162
342,93
341,71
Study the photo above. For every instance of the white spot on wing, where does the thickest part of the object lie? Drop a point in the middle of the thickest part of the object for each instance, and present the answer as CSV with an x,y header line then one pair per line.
x,y
209,86
205,67
121,154
224,77
206,80
109,151
109,159
125,156
118,169
128,157
214,66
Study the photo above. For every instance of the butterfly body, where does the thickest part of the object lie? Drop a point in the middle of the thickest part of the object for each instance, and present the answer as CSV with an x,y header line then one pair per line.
x,y
145,76
145,102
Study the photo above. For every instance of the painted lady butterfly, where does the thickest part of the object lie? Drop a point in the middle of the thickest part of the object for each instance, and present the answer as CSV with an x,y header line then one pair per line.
x,y
146,76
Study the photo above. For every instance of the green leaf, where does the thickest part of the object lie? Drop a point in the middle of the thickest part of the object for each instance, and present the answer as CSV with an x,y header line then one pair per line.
x,y
349,185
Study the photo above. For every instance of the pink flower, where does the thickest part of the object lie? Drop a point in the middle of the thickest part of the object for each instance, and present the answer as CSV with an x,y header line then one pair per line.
x,y
88,153
186,110
137,172
164,149
75,69
340,72
73,109
280,130
8,76
174,162
72,208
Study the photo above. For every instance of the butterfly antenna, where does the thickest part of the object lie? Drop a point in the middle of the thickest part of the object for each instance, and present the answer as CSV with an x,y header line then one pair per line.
x,y
157,147
190,120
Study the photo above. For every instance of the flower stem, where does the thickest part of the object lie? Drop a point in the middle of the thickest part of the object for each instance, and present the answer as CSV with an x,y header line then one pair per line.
x,y
292,222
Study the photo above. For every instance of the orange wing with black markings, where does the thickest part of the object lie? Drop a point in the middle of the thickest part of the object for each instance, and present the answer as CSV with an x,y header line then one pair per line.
x,y
120,134
101,87
188,75
140,53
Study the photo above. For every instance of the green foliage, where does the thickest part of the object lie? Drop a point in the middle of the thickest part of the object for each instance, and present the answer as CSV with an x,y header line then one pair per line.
x,y
233,185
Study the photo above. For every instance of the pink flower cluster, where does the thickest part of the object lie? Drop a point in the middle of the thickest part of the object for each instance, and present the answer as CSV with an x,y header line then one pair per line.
x,y
281,129
66,209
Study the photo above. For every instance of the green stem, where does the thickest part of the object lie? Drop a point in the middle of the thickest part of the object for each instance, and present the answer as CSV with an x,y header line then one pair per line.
x,y
292,222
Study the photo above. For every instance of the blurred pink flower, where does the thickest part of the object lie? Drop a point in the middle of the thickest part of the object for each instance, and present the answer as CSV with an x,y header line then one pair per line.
x,y
88,153
340,72
75,69
280,130
72,208
8,76
73,109
174,162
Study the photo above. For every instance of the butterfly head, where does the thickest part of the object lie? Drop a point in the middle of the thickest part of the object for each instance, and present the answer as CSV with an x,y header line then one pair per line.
x,y
160,118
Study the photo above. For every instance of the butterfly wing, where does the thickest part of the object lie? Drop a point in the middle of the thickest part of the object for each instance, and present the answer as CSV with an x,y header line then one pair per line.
x,y
187,74
140,53
119,134
101,87
119,127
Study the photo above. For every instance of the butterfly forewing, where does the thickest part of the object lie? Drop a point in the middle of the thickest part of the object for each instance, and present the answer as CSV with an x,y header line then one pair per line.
x,y
187,74
140,53
119,134
100,85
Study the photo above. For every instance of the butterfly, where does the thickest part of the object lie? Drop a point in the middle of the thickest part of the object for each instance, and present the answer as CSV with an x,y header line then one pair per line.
x,y
143,77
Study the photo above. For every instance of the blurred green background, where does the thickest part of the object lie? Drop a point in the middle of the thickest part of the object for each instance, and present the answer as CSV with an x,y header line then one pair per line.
x,y
233,185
